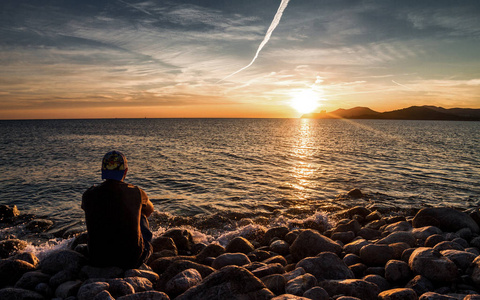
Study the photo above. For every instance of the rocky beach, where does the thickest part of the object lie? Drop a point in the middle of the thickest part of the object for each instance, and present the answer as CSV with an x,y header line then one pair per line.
x,y
360,252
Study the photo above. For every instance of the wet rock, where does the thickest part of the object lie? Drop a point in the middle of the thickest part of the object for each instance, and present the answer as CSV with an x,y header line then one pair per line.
x,y
398,226
180,266
326,265
119,287
351,287
164,243
16,293
239,245
104,295
212,250
447,219
30,280
300,284
183,239
352,225
358,269
150,275
398,249
431,264
229,259
28,257
398,294
280,246
433,240
139,284
61,277
344,237
276,259
12,270
294,273
68,289
462,259
269,269
397,271
436,296
275,283
39,225
474,270
150,295
182,282
355,246
422,233
376,255
90,290
275,233
399,237
316,293
310,243
355,194
446,245
351,259
376,225
378,280
106,272
230,282
10,247
8,214
63,260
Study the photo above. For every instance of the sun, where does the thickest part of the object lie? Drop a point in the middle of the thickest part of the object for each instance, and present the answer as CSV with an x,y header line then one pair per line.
x,y
305,101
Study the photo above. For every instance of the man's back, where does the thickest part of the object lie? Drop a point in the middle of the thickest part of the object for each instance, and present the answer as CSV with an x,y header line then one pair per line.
x,y
112,213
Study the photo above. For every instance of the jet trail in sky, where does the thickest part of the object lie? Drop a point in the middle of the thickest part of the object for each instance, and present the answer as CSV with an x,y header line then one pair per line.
x,y
272,27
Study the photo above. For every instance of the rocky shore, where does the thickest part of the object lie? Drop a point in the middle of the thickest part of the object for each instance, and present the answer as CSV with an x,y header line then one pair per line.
x,y
366,254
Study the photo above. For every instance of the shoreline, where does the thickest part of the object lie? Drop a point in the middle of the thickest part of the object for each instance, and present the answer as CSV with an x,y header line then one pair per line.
x,y
358,252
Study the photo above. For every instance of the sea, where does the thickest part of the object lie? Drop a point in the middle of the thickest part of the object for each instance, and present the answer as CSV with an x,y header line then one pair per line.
x,y
218,177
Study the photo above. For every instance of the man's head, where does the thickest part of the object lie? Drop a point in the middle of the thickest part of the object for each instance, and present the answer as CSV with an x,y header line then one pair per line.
x,y
114,166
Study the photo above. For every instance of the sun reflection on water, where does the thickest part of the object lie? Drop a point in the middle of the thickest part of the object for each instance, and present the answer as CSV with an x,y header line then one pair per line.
x,y
303,170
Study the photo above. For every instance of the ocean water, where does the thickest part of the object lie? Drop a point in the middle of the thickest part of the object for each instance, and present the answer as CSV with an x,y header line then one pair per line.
x,y
242,168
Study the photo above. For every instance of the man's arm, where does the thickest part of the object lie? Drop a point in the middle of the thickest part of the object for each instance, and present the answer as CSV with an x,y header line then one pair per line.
x,y
147,208
147,205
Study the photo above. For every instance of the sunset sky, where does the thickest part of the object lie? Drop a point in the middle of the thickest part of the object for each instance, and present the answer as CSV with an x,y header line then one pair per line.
x,y
162,59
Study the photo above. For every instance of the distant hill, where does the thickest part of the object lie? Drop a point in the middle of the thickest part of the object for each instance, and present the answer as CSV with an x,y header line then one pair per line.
x,y
409,113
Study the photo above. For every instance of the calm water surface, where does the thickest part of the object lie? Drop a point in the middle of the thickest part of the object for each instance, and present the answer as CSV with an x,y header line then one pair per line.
x,y
204,166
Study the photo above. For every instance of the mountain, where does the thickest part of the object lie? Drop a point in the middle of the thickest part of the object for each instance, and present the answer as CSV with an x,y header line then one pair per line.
x,y
409,113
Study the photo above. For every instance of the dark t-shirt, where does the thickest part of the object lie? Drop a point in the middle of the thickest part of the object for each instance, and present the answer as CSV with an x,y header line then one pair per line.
x,y
112,213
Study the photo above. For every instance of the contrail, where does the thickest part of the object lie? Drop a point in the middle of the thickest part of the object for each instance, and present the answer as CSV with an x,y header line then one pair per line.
x,y
272,27
402,85
137,8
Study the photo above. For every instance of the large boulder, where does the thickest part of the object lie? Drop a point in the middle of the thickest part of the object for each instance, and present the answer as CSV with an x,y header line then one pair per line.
x,y
180,266
399,237
310,243
376,255
12,270
182,282
183,239
30,280
462,259
231,282
228,259
239,245
431,264
326,265
445,218
8,214
63,260
351,287
90,290
300,284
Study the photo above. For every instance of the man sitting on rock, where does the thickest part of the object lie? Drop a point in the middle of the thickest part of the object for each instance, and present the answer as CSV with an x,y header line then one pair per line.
x,y
116,217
